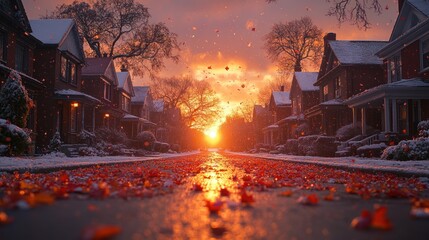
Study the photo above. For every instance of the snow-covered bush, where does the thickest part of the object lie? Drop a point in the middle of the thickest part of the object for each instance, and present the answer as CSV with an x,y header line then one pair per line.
x,y
14,101
306,145
146,140
417,149
112,136
14,137
373,150
423,128
175,147
291,146
325,146
348,131
91,151
55,142
87,137
161,147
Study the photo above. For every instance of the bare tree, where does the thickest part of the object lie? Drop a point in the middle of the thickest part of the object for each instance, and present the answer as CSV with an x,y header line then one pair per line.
x,y
120,29
196,100
282,80
293,43
354,11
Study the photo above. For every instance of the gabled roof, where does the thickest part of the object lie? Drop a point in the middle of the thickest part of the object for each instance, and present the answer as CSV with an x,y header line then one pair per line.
x,y
413,13
140,94
421,5
158,105
14,12
51,31
306,80
281,98
357,52
62,33
124,82
100,67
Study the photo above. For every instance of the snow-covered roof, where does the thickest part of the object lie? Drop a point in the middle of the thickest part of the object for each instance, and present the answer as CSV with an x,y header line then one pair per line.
x,y
96,66
122,78
70,94
357,52
158,105
51,31
333,102
273,126
306,80
140,94
421,5
281,98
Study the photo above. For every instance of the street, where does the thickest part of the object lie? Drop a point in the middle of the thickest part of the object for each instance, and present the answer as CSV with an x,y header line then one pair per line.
x,y
209,195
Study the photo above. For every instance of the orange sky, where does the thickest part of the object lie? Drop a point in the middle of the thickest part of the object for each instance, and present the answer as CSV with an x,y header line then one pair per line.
x,y
220,33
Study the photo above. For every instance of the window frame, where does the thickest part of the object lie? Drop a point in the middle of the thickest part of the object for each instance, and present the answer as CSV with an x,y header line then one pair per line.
x,y
23,65
394,67
3,44
421,54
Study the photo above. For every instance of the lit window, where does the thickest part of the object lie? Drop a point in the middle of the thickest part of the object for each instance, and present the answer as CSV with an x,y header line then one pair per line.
x,y
325,93
425,54
395,66
68,71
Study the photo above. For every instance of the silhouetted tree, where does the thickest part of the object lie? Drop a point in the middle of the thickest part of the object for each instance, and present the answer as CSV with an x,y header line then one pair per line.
x,y
121,29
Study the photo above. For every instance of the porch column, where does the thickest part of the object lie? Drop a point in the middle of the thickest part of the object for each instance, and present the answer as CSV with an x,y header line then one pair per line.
x,y
83,117
93,119
354,111
58,121
394,116
387,112
363,121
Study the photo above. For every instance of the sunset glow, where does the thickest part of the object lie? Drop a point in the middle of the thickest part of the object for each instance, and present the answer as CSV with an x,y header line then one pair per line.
x,y
212,136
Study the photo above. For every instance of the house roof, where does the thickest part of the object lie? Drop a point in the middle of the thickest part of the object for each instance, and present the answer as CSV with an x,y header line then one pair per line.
x,y
124,82
281,98
421,5
51,31
140,94
158,105
306,80
69,94
357,52
96,66
333,102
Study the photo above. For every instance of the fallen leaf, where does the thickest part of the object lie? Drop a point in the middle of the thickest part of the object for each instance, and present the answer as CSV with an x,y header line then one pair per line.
x,y
380,219
100,232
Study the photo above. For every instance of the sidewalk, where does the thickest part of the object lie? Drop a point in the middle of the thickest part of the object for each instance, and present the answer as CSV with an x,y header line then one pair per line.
x,y
49,163
405,168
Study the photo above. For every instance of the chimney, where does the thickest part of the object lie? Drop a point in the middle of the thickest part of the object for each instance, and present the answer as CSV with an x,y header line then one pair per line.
x,y
282,88
123,68
400,5
329,37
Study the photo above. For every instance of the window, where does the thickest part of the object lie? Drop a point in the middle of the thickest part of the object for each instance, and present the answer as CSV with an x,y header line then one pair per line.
x,y
325,93
425,54
107,91
2,46
338,87
395,65
21,58
73,119
125,103
68,71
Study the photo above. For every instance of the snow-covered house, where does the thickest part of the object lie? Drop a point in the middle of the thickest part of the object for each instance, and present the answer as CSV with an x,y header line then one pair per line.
x,y
59,61
141,107
261,118
99,79
17,52
280,107
404,98
347,68
303,95
157,116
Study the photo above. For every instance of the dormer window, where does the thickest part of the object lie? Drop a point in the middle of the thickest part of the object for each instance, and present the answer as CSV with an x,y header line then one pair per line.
x,y
394,67
425,54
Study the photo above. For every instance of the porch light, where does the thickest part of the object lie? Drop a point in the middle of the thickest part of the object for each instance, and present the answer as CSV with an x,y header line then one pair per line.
x,y
106,115
75,104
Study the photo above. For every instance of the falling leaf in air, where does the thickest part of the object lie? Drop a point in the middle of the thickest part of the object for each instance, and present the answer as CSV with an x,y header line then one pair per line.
x,y
226,68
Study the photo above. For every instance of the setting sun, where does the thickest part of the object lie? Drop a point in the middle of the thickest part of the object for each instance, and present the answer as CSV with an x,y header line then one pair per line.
x,y
212,136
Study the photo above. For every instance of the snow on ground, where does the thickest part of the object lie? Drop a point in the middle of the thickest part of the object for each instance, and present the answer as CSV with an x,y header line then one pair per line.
x,y
408,168
59,161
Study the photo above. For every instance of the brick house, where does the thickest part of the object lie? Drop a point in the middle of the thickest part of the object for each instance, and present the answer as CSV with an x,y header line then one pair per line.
x,y
347,68
17,47
303,96
261,118
63,105
99,79
404,98
141,107
280,107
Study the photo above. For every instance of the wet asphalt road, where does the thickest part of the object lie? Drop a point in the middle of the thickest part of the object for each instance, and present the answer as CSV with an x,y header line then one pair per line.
x,y
183,214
